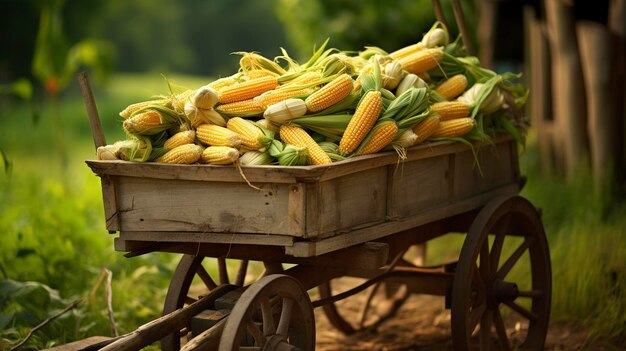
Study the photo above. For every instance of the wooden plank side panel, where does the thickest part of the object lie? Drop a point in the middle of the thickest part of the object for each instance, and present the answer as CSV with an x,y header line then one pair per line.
x,y
354,200
194,206
418,185
492,168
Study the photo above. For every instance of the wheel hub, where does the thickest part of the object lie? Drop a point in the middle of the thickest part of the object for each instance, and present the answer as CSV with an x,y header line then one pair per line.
x,y
505,291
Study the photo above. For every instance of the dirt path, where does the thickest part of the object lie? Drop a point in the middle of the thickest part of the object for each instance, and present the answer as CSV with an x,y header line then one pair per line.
x,y
424,324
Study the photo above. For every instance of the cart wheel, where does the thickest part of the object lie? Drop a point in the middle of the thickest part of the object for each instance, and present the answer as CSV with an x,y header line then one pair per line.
x,y
179,293
508,294
275,313
381,302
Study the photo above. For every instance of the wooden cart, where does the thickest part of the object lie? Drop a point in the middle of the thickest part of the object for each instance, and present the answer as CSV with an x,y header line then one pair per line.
x,y
310,225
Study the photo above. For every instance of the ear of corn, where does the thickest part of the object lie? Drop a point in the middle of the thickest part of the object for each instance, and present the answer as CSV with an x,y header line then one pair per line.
x,y
245,108
148,122
406,139
452,87
199,116
365,116
179,100
131,109
450,109
422,61
182,154
381,135
247,90
299,137
213,135
220,155
410,81
252,137
204,97
426,128
221,83
392,75
180,138
285,111
277,95
256,158
330,94
289,154
306,78
407,51
259,73
453,128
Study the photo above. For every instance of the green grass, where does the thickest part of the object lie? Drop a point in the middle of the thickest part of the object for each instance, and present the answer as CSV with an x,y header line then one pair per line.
x,y
51,219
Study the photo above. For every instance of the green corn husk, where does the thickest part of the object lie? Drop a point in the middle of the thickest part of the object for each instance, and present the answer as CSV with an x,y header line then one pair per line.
x,y
332,150
289,155
412,102
331,126
255,158
136,149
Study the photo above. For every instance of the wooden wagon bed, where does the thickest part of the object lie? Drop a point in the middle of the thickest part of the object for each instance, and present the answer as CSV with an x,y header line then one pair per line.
x,y
310,210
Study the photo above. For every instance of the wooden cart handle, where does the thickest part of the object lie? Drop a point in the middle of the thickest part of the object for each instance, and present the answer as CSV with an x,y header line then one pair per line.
x,y
92,110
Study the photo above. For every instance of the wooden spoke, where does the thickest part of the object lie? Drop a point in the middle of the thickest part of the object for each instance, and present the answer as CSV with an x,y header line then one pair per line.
x,y
206,278
285,317
496,251
511,261
283,346
533,294
521,310
256,333
241,273
501,330
485,267
476,316
223,271
249,348
485,331
269,327
189,300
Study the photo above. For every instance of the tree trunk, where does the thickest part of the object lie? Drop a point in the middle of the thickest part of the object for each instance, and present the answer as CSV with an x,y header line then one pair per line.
x,y
617,28
598,67
567,87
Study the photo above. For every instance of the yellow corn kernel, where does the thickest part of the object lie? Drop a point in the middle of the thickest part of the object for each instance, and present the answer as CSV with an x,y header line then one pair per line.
x,y
425,128
179,100
330,94
453,128
450,109
406,51
220,155
277,95
213,135
422,61
299,137
132,108
147,122
246,108
259,73
249,133
247,90
382,135
452,87
221,83
306,78
182,154
180,138
365,116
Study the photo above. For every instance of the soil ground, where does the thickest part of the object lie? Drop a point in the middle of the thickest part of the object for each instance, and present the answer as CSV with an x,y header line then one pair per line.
x,y
423,323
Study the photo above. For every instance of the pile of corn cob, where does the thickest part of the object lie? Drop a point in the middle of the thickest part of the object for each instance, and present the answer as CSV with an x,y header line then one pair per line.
x,y
334,106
